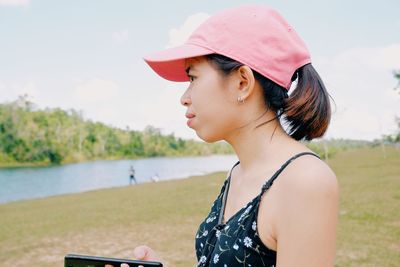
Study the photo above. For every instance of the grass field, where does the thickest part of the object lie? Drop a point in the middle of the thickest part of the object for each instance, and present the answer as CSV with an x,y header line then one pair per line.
x,y
165,216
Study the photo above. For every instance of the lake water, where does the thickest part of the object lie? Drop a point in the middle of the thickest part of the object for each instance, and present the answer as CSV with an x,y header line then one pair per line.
x,y
37,182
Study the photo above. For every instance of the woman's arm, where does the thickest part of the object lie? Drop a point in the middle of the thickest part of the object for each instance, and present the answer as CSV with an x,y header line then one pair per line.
x,y
307,220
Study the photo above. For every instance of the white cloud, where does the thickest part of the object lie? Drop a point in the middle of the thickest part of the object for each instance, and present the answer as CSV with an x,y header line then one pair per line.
x,y
378,58
178,36
2,86
96,91
14,2
361,82
28,88
11,91
120,36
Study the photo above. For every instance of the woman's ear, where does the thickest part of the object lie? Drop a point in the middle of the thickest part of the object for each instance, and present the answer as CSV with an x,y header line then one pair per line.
x,y
245,81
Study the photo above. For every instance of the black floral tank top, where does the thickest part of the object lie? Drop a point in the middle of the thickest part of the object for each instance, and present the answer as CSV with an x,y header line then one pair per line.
x,y
235,242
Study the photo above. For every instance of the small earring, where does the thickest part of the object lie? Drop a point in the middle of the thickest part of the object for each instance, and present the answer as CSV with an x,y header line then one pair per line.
x,y
240,100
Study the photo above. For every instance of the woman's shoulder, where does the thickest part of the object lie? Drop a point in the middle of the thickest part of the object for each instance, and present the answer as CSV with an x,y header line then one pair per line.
x,y
308,182
307,211
308,174
305,192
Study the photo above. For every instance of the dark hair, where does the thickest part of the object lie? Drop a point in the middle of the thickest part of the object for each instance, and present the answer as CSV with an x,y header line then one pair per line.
x,y
306,111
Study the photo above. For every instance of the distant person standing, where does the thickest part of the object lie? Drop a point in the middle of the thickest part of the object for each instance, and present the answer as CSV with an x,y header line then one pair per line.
x,y
132,175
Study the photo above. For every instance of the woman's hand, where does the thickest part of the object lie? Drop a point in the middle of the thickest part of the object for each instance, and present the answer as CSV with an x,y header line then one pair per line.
x,y
143,253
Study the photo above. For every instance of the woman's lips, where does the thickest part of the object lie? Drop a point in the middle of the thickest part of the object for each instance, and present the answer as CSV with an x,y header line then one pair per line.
x,y
190,117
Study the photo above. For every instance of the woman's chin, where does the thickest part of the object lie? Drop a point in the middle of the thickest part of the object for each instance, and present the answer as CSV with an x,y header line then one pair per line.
x,y
208,138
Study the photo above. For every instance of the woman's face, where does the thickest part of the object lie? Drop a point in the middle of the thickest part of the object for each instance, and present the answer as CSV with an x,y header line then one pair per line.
x,y
210,99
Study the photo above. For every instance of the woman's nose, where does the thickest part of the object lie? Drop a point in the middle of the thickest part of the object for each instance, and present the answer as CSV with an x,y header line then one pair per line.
x,y
185,98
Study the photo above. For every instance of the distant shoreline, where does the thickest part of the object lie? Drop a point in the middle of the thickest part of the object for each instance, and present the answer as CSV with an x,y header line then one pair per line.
x,y
37,182
15,165
76,194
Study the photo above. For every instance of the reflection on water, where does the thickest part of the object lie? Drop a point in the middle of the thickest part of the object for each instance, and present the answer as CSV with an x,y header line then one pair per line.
x,y
28,183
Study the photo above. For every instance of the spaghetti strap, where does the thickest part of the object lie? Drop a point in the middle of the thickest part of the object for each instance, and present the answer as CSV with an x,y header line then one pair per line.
x,y
228,178
225,193
269,183
230,172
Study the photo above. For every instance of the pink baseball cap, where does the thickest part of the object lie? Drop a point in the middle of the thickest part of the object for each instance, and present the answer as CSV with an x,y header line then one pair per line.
x,y
254,35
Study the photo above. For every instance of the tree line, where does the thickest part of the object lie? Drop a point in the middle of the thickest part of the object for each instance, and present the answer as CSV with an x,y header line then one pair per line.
x,y
52,136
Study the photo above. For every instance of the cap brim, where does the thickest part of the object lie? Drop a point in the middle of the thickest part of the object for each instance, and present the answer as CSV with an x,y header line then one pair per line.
x,y
170,63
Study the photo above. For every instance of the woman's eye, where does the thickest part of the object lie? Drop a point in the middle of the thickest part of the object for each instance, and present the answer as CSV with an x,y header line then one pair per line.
x,y
191,78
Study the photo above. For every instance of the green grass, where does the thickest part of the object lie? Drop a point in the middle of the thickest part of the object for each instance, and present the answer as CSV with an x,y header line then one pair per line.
x,y
165,216
369,222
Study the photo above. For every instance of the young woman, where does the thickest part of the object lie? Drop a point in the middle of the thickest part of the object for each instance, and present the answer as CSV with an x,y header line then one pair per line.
x,y
279,204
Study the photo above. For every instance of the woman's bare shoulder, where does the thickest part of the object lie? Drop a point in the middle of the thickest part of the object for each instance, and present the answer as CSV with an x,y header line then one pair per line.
x,y
307,181
307,210
309,175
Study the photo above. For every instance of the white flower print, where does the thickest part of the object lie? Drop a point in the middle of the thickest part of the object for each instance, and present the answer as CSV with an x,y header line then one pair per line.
x,y
254,226
210,219
245,212
235,247
201,245
247,242
218,233
202,259
216,258
205,233
248,209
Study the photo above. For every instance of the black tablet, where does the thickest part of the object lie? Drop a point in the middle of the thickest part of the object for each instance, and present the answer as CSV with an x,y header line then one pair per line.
x,y
74,260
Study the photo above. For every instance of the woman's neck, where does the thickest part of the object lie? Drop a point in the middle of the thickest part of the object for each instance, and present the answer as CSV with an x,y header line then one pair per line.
x,y
255,145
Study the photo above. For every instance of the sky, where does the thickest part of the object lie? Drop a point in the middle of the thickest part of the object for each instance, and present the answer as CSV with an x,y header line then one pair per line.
x,y
87,55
